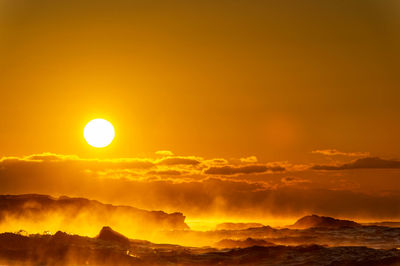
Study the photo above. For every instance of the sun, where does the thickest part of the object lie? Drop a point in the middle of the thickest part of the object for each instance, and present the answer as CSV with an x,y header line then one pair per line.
x,y
99,133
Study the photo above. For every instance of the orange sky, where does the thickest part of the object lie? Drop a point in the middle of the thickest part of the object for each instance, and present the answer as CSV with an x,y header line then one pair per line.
x,y
285,95
228,78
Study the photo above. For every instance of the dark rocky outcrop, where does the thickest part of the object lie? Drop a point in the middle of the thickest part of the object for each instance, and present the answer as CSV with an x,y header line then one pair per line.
x,y
237,226
322,221
249,242
109,235
64,249
37,208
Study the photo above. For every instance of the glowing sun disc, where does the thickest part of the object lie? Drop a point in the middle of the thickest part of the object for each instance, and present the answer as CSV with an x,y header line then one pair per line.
x,y
99,133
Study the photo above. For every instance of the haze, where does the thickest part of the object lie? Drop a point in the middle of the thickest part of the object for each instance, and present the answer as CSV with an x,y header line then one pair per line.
x,y
249,112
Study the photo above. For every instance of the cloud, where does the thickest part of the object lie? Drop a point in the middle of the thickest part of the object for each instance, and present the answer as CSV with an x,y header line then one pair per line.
x,y
364,163
289,181
250,159
164,153
134,163
50,157
217,161
46,156
248,169
179,161
164,172
333,152
141,168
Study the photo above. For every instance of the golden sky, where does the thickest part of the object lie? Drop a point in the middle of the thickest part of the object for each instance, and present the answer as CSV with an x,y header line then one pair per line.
x,y
254,96
221,78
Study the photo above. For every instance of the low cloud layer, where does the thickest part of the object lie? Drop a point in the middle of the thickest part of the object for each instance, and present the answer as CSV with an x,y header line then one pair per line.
x,y
219,186
334,152
248,169
179,161
364,163
164,153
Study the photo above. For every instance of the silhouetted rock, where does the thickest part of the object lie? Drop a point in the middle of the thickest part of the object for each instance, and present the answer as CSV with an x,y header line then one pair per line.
x,y
249,242
107,234
385,224
322,221
237,226
60,236
76,250
73,211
